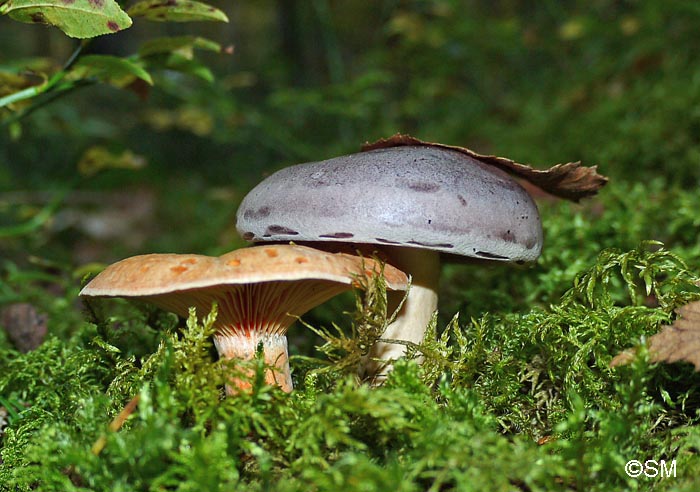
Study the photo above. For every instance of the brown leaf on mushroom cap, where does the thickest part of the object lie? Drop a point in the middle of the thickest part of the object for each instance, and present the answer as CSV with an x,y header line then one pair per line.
x,y
571,181
677,342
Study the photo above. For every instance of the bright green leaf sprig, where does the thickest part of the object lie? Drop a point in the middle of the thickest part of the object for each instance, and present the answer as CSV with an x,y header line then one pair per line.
x,y
77,18
86,19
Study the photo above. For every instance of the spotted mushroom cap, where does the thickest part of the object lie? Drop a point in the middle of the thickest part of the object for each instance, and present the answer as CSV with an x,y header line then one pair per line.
x,y
154,274
412,196
258,290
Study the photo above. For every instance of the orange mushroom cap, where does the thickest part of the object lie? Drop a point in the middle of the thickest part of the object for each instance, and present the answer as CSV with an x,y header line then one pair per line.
x,y
260,291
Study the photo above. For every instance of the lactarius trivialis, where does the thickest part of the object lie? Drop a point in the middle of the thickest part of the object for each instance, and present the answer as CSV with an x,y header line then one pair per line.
x,y
260,291
419,203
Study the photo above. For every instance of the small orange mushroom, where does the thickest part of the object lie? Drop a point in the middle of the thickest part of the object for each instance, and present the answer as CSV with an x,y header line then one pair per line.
x,y
260,292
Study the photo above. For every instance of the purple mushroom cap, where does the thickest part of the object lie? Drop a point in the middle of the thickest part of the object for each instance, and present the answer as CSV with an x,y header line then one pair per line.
x,y
412,196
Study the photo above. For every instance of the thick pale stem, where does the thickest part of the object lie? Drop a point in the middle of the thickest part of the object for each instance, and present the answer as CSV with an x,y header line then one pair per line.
x,y
253,313
242,347
411,322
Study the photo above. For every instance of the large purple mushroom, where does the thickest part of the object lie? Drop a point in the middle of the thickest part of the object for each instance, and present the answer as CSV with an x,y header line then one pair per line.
x,y
418,204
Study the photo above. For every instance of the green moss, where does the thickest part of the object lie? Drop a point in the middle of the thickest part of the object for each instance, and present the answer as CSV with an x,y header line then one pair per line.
x,y
468,417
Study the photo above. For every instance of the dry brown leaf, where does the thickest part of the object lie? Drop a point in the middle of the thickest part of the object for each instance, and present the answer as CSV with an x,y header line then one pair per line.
x,y
571,181
678,342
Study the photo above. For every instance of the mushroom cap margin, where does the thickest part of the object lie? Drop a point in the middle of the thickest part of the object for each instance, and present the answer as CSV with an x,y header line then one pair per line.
x,y
154,274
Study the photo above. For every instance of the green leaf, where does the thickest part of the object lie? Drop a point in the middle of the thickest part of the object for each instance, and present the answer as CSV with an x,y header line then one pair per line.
x,y
187,66
183,45
176,11
113,70
77,18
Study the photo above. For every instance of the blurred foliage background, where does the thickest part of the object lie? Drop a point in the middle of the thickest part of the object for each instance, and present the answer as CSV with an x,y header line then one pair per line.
x,y
612,83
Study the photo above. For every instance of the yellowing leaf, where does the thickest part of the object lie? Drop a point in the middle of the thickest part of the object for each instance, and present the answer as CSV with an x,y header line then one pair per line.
x,y
572,30
176,11
678,342
97,158
77,18
187,118
10,82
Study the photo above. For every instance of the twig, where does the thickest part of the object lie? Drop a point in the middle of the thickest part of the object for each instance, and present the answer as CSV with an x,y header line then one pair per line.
x,y
116,424
52,89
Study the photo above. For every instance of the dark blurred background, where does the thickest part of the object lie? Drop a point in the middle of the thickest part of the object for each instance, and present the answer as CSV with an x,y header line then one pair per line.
x,y
612,83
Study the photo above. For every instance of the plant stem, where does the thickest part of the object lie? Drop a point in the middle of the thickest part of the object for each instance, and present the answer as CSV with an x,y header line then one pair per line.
x,y
51,87
116,424
74,56
50,96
